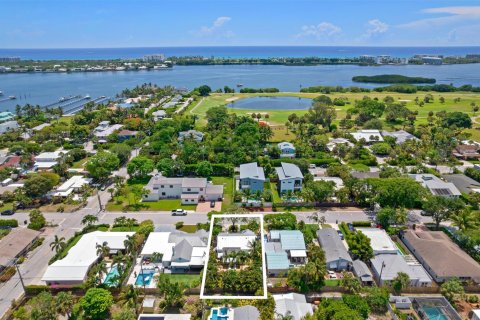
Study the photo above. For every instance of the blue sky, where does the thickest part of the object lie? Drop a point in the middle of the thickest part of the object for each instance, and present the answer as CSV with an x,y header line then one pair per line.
x,y
154,23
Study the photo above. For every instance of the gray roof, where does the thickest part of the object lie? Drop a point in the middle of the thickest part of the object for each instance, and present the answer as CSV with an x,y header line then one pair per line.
x,y
332,245
292,240
273,247
401,136
251,170
361,270
289,171
246,313
436,185
462,182
292,303
393,264
182,251
284,145
194,182
277,260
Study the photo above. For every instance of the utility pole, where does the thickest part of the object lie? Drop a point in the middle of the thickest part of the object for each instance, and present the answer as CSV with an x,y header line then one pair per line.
x,y
99,200
19,274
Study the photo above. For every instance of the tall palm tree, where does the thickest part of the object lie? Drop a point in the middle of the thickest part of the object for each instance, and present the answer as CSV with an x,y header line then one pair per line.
x,y
58,244
129,297
130,246
64,302
156,258
464,220
103,249
316,217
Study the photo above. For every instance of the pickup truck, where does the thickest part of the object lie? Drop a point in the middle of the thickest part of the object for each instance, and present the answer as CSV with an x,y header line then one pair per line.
x,y
179,212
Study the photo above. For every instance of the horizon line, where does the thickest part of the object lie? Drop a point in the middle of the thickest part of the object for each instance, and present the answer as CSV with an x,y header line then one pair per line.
x,y
248,46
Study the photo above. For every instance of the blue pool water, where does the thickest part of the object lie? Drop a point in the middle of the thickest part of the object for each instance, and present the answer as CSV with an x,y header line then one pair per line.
x,y
109,279
434,313
145,278
219,314
272,103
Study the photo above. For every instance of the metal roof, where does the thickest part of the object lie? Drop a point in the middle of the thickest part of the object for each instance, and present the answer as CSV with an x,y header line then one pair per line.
x,y
277,260
289,171
251,170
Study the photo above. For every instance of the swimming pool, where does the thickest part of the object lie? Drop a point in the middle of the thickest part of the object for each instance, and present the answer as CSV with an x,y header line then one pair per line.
x,y
112,277
271,103
145,278
434,313
219,314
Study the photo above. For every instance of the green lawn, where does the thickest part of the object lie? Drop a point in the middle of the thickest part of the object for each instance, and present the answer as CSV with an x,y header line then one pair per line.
x,y
190,228
6,206
188,279
80,163
332,282
227,183
161,205
276,196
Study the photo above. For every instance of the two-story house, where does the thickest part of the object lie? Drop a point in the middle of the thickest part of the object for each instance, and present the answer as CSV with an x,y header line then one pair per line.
x,y
189,190
290,178
287,150
251,177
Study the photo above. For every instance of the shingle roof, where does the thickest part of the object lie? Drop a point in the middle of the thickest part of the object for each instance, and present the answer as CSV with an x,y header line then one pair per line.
x,y
289,171
246,313
441,254
251,170
362,271
15,242
182,251
332,245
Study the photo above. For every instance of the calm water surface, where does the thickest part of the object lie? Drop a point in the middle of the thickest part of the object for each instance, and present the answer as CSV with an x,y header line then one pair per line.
x,y
45,88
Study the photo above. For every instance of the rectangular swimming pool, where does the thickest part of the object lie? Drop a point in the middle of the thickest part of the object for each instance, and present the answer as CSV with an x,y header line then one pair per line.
x,y
112,277
145,278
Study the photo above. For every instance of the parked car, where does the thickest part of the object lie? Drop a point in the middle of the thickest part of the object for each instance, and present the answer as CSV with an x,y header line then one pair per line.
x,y
332,275
312,166
340,234
350,227
7,212
212,204
179,212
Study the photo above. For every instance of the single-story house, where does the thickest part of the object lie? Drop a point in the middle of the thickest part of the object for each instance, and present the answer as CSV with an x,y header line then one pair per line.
x,y
367,135
361,271
47,160
463,183
126,135
436,186
440,256
236,241
292,303
74,184
401,135
73,269
10,162
159,115
189,190
104,129
466,151
336,254
239,313
190,134
15,244
181,251
251,177
284,249
287,150
290,178
164,316
380,241
386,267
333,143
8,125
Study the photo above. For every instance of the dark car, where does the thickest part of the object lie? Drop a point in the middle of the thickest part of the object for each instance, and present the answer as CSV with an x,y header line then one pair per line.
x,y
212,204
7,212
350,227
340,234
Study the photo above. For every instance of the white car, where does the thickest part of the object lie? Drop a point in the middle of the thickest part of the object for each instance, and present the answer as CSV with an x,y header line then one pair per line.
x,y
179,212
332,275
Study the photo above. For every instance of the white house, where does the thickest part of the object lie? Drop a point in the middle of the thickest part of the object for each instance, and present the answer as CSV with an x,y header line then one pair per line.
x,y
401,135
73,269
190,134
386,267
290,177
368,135
287,150
189,190
104,129
292,303
333,143
380,241
437,186
47,160
238,241
74,184
159,115
181,251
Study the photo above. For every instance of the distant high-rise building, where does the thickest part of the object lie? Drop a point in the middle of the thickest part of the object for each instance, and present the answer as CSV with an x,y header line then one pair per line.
x,y
154,57
9,59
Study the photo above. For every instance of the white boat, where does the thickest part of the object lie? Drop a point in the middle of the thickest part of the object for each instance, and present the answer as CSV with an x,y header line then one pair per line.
x,y
12,97
1,93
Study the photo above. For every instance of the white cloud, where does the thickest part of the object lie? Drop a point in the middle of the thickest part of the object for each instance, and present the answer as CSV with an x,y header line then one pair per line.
x,y
451,15
215,27
376,26
321,30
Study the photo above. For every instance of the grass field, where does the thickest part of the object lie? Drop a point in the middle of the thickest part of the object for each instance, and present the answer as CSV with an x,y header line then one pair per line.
x,y
187,279
190,228
162,205
280,117
227,190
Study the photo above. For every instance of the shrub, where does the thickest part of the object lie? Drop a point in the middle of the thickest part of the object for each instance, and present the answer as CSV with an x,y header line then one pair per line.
x,y
179,225
12,223
361,223
7,274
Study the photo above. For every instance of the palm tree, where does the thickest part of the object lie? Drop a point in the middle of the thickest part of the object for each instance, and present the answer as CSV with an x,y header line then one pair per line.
x,y
129,297
103,249
316,217
464,220
89,220
130,223
64,302
119,260
130,246
157,257
58,244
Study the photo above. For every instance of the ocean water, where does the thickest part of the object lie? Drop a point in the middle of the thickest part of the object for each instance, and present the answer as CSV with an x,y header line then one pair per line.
x,y
45,88
233,52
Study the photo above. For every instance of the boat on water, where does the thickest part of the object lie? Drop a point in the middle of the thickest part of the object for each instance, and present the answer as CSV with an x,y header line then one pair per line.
x,y
239,85
1,93
12,97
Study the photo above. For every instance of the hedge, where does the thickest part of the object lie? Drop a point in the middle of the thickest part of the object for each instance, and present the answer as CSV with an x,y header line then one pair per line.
x,y
473,173
7,274
219,169
35,289
361,223
9,223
